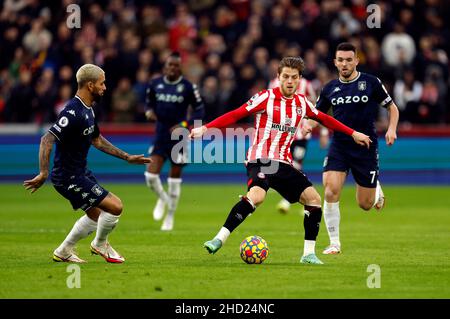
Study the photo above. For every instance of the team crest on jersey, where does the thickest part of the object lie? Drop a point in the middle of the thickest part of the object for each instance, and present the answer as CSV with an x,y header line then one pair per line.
x,y
180,88
261,175
362,85
299,111
97,190
253,98
63,121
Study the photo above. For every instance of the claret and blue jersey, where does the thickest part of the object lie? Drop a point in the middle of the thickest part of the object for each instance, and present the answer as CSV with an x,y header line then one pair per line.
x,y
74,130
355,103
170,102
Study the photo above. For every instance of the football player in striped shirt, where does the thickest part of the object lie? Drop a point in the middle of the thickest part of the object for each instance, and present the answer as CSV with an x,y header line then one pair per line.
x,y
300,143
278,113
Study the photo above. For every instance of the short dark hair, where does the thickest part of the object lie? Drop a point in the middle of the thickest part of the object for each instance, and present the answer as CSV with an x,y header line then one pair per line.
x,y
346,46
294,62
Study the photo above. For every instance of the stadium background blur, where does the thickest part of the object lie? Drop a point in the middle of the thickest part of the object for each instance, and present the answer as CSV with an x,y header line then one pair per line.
x,y
231,49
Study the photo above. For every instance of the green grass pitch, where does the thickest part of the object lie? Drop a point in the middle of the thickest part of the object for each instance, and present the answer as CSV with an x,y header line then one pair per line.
x,y
409,241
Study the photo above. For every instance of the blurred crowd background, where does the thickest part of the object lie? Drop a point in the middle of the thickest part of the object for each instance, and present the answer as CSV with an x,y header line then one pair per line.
x,y
229,48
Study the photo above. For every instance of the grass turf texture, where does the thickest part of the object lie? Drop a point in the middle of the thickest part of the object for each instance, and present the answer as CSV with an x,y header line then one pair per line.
x,y
408,240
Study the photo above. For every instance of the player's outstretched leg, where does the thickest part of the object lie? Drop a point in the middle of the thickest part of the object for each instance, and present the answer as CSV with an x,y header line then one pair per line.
x,y
311,223
100,245
154,183
283,206
82,228
107,221
174,196
379,197
332,217
236,216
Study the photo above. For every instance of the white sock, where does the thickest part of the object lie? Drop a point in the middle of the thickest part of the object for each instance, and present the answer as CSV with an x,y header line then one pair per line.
x,y
309,247
105,225
82,228
377,193
332,217
223,234
154,182
174,193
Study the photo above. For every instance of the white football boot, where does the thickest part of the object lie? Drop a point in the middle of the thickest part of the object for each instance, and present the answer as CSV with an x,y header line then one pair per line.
x,y
67,256
167,224
159,210
332,249
107,252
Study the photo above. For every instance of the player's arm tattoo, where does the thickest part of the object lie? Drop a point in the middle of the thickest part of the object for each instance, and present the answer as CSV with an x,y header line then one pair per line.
x,y
105,146
45,149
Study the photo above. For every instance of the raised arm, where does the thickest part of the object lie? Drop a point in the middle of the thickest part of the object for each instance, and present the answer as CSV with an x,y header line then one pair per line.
x,y
45,149
335,125
105,146
222,121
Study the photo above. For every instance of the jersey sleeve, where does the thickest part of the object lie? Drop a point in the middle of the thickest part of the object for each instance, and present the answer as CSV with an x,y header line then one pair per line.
x,y
150,98
65,125
311,110
256,104
380,94
326,120
323,104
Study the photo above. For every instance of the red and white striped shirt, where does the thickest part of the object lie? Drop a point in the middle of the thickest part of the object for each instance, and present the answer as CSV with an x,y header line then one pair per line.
x,y
277,119
304,88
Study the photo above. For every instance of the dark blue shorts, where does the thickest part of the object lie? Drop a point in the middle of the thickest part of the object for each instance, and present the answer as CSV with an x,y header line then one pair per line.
x,y
362,163
175,151
83,191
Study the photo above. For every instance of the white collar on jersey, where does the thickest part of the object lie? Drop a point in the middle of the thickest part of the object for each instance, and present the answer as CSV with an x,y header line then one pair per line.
x,y
88,107
345,82
174,82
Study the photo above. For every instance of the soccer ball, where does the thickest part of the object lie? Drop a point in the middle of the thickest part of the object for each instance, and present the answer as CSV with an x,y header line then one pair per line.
x,y
254,250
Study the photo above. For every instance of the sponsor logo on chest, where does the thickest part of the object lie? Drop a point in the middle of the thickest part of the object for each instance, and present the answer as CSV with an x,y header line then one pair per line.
x,y
171,98
348,99
285,127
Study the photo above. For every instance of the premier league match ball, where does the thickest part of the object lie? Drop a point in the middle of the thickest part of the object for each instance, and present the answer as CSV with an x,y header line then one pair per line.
x,y
254,250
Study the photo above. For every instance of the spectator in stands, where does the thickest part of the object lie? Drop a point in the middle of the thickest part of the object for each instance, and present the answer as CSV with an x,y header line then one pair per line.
x,y
242,35
19,106
124,102
407,94
398,49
